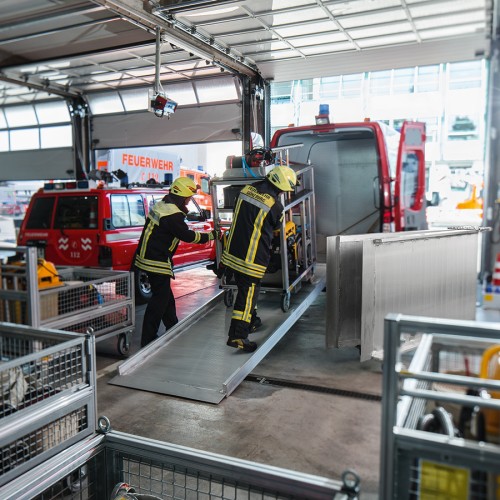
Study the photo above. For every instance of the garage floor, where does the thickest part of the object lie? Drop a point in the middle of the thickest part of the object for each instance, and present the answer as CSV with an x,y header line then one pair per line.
x,y
303,407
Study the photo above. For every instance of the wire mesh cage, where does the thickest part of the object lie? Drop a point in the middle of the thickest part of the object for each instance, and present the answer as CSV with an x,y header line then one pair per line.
x,y
39,370
106,465
441,410
75,299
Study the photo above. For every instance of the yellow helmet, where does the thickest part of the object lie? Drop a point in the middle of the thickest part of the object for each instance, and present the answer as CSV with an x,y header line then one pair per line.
x,y
283,178
183,186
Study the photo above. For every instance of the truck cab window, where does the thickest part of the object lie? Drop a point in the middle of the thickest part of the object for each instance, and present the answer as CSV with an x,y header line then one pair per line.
x,y
41,213
76,212
127,210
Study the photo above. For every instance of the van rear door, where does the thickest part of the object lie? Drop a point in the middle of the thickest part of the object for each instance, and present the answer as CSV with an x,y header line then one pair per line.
x,y
409,188
346,160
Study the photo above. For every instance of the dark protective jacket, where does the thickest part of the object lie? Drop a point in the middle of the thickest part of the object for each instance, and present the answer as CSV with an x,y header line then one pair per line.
x,y
165,227
258,212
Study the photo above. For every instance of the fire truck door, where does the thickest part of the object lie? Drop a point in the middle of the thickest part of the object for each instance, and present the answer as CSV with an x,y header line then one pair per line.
x,y
409,189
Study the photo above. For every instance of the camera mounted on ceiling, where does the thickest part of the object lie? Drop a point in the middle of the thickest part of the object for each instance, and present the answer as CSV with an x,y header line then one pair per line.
x,y
160,104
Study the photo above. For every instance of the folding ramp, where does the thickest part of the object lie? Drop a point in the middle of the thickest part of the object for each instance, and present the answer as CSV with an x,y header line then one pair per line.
x,y
192,360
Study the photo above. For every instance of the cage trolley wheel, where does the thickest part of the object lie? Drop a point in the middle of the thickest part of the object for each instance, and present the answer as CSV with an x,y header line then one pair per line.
x,y
285,301
228,297
123,344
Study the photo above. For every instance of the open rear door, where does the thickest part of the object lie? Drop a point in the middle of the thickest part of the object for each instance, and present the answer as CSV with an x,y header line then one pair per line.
x,y
409,189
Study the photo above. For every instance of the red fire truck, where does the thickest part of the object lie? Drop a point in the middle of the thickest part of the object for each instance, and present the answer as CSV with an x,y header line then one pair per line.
x,y
75,224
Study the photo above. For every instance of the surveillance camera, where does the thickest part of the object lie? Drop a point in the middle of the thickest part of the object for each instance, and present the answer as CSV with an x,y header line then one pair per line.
x,y
161,105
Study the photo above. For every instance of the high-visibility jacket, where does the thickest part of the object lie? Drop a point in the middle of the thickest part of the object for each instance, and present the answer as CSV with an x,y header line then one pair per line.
x,y
165,227
258,212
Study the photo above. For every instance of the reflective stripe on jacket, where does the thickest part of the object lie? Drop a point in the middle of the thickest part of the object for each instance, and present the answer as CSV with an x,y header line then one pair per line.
x,y
165,227
258,212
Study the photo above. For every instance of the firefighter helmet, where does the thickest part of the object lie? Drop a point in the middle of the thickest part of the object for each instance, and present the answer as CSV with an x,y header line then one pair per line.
x,y
283,178
183,186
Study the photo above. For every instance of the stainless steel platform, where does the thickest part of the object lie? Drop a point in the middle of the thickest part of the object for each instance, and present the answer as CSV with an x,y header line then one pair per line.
x,y
192,360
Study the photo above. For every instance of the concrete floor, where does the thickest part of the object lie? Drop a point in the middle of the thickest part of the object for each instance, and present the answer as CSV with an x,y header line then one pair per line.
x,y
329,423
320,414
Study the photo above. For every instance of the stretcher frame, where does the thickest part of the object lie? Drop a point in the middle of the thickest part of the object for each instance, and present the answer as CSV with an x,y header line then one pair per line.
x,y
416,463
302,199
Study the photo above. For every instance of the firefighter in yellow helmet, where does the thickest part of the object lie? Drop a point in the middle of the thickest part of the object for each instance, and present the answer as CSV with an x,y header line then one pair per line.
x,y
258,212
165,227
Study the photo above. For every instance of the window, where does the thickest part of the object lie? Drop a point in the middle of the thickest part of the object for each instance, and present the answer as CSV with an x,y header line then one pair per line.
x,y
56,137
39,126
127,210
351,85
463,127
20,116
398,123
193,211
427,79
216,90
329,87
104,103
380,82
404,81
307,90
76,212
52,112
25,138
465,75
431,128
205,186
41,213
410,177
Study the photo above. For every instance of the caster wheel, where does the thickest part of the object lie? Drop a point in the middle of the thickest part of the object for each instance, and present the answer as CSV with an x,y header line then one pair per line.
x,y
123,345
285,301
228,298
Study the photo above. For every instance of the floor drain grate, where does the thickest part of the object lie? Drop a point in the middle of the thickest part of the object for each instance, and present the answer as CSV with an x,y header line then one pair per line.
x,y
313,388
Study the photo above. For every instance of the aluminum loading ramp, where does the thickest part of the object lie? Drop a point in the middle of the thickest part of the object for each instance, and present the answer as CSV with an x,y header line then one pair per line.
x,y
192,360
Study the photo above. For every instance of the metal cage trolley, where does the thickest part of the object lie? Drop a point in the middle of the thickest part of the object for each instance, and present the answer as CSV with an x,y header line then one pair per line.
x,y
74,299
293,257
116,465
47,395
441,410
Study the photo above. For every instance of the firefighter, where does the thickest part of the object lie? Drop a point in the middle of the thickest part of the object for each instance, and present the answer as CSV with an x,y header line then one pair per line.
x,y
165,227
258,212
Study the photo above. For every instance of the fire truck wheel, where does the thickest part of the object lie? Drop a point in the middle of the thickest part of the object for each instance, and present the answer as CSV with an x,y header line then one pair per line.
x,y
285,301
228,297
142,287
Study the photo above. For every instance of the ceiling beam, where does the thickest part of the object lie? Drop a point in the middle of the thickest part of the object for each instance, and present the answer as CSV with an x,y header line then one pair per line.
x,y
180,35
44,86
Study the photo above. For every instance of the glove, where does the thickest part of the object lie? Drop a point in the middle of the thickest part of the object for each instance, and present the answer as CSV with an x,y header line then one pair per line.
x,y
214,235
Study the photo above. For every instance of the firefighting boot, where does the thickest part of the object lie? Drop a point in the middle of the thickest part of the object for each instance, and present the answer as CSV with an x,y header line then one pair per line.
x,y
243,344
255,322
237,338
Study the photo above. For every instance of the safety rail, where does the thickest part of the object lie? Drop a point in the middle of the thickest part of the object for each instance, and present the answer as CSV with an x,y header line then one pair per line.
x,y
47,395
441,410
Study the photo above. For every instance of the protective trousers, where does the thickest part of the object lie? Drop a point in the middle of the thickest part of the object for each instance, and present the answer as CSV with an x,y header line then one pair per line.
x,y
244,305
161,307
